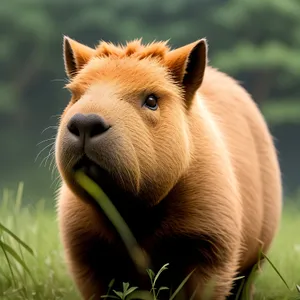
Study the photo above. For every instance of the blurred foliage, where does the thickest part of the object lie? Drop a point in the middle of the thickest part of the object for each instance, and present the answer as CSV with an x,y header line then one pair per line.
x,y
255,41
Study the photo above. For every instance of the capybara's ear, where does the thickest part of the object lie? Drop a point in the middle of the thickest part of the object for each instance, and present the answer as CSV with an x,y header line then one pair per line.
x,y
76,55
187,64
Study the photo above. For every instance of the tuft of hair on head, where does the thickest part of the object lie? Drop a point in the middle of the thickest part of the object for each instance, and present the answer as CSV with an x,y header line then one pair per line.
x,y
135,48
108,49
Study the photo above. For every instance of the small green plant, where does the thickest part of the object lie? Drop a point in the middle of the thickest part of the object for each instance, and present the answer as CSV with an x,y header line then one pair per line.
x,y
128,293
134,293
153,279
122,295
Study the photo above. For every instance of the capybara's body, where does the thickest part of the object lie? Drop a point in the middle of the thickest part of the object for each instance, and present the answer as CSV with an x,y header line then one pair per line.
x,y
183,153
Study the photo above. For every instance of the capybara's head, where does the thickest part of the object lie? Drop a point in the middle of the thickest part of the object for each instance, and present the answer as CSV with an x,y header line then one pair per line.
x,y
127,123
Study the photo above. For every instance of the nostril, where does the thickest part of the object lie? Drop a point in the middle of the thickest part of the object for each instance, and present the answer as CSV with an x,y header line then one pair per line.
x,y
98,128
77,125
73,129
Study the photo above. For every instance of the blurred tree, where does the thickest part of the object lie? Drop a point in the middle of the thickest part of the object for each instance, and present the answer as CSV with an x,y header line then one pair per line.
x,y
260,43
256,41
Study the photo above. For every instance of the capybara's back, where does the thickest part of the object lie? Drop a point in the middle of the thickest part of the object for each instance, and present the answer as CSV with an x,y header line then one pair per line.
x,y
253,158
183,153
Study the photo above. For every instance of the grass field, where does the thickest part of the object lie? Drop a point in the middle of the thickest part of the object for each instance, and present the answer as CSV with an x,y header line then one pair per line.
x,y
47,277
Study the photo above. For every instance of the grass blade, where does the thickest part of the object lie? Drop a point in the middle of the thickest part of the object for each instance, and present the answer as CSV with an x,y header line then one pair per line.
x,y
130,290
109,296
19,197
249,281
9,264
163,268
119,294
137,255
194,293
181,285
4,274
16,238
151,275
110,286
16,256
239,292
283,280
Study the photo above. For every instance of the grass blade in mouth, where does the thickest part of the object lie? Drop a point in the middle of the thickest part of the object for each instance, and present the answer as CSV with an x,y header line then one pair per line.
x,y
138,256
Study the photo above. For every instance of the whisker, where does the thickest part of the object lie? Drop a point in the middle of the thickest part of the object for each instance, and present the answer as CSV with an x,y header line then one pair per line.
x,y
50,127
57,189
51,151
55,182
55,116
47,140
53,166
42,151
70,161
59,80
51,161
44,160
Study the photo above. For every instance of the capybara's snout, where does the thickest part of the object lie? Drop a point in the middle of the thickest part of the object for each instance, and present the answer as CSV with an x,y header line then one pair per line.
x,y
83,129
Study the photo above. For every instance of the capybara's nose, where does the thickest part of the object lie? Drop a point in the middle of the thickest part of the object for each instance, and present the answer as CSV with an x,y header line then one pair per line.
x,y
87,126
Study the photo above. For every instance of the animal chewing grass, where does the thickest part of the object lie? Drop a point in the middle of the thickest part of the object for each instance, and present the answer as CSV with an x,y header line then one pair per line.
x,y
31,258
136,253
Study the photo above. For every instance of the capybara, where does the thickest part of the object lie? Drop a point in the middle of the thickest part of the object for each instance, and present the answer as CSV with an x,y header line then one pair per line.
x,y
183,153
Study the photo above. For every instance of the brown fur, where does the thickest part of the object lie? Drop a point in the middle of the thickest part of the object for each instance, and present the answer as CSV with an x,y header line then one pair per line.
x,y
197,180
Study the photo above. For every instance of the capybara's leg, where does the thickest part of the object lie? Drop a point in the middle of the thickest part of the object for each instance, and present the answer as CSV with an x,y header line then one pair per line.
x,y
239,291
87,283
211,283
244,285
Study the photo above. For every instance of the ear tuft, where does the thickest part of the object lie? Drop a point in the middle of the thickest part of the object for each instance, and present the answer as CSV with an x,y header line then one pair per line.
x,y
76,55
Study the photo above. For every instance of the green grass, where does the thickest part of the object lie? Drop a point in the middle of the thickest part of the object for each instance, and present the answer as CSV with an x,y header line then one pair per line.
x,y
49,279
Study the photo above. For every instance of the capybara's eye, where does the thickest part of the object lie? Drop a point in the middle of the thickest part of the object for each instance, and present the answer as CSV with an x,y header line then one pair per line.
x,y
151,102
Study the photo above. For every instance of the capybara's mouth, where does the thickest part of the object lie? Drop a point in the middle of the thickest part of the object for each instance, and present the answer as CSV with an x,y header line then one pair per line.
x,y
101,177
105,180
124,201
92,170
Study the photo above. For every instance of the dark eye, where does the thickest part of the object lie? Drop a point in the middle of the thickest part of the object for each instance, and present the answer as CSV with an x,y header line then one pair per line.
x,y
151,102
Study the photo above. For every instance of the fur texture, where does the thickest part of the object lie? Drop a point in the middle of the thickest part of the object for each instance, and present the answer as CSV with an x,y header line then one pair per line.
x,y
197,179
